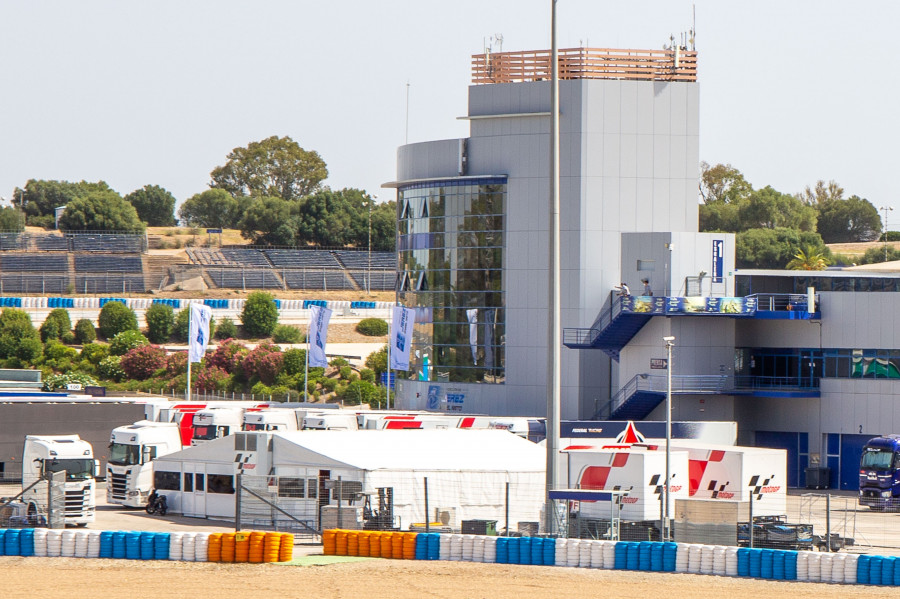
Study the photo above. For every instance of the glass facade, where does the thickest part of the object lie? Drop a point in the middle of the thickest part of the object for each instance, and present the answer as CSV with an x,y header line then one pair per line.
x,y
804,367
749,284
450,242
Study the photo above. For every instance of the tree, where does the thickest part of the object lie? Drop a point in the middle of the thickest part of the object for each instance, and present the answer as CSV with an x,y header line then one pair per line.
x,y
40,198
260,315
384,227
267,222
325,218
213,208
821,193
769,209
18,337
155,206
774,248
116,317
377,361
808,258
853,219
275,166
722,183
100,211
12,219
56,324
160,322
182,327
85,331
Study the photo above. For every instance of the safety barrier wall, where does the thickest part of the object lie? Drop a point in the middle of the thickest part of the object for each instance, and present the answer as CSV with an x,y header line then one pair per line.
x,y
650,556
250,546
215,304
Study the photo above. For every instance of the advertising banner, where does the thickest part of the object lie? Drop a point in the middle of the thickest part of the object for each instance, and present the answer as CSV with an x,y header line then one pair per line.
x,y
318,335
401,337
198,335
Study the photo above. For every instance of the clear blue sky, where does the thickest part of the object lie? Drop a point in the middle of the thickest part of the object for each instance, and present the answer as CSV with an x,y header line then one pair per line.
x,y
159,92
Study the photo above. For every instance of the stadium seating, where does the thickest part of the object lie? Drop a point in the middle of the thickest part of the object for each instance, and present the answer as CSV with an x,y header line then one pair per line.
x,y
38,284
17,262
110,283
316,279
106,263
244,278
302,258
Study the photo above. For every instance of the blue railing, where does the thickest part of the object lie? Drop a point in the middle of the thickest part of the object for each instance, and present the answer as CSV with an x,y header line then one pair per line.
x,y
681,384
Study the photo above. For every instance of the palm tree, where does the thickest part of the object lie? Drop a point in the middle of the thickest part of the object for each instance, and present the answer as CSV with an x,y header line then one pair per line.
x,y
808,257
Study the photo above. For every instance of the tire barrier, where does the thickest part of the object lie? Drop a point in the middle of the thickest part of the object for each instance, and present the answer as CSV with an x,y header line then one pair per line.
x,y
259,547
649,556
174,303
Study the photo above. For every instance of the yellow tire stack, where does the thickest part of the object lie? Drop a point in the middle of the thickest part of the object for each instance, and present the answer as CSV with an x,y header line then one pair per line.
x,y
353,543
387,543
365,538
272,547
241,547
255,547
374,544
397,545
340,543
409,545
228,547
214,552
329,540
286,550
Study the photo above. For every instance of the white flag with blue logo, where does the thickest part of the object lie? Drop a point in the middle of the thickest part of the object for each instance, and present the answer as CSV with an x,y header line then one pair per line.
x,y
401,337
318,335
198,336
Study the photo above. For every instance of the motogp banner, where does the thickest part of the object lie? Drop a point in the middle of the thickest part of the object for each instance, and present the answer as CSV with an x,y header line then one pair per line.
x,y
318,335
198,335
401,337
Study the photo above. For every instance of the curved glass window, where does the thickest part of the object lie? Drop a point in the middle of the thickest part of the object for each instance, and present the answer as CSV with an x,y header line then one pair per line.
x,y
451,244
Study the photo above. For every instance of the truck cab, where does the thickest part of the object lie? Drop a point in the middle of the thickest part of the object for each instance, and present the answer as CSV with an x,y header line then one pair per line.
x,y
47,454
273,420
879,473
215,423
132,449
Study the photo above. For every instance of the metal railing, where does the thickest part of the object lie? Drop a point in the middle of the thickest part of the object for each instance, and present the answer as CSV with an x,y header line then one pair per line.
x,y
681,384
773,302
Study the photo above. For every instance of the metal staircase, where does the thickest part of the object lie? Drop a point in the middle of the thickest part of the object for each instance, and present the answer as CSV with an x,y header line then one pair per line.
x,y
640,396
617,323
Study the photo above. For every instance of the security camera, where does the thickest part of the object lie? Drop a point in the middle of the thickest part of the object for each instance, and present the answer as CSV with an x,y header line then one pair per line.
x,y
668,339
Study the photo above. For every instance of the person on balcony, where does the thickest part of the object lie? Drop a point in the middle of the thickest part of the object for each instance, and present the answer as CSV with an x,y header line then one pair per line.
x,y
623,290
647,290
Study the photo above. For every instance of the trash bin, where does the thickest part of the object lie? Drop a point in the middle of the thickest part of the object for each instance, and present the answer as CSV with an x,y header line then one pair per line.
x,y
479,527
818,478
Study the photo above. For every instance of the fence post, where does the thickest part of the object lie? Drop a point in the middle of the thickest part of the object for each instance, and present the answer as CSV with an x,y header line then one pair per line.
x,y
751,520
237,501
507,508
340,496
427,513
828,522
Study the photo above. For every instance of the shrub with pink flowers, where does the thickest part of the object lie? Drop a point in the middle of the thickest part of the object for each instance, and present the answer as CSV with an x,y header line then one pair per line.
x,y
228,356
141,362
263,362
176,364
212,378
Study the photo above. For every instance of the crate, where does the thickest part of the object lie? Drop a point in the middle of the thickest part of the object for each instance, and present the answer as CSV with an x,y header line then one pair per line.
x,y
479,527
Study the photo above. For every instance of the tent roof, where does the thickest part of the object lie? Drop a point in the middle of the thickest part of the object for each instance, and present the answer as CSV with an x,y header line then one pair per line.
x,y
452,449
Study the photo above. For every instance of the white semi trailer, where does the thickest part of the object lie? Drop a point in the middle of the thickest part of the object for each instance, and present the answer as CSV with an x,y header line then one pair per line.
x,y
47,454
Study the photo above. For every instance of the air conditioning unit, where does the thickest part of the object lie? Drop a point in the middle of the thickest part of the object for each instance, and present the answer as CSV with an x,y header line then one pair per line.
x,y
446,516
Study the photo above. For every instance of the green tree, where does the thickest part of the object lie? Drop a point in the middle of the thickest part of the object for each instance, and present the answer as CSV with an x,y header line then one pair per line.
x,y
822,193
326,218
852,220
267,222
116,317
125,341
260,315
12,219
769,209
213,208
384,227
182,327
808,258
85,331
275,166
722,183
774,248
377,362
56,324
40,198
160,322
18,337
359,391
876,255
100,211
155,205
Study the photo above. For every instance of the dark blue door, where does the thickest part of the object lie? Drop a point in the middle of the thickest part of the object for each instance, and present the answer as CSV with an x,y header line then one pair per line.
x,y
851,450
797,447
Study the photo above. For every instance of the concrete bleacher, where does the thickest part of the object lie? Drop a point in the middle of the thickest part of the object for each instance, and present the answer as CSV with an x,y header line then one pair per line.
x,y
302,258
43,284
17,262
316,279
245,257
360,259
109,283
243,278
49,243
379,280
105,263
123,243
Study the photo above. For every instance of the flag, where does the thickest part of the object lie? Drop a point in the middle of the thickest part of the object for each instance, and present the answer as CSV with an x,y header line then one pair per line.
x,y
401,337
472,316
198,336
318,335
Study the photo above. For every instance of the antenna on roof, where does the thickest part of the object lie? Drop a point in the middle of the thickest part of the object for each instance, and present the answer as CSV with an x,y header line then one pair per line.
x,y
694,28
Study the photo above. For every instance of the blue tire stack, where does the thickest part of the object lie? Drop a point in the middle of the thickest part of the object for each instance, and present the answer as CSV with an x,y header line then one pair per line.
x,y
524,551
790,565
434,546
106,543
632,556
862,569
132,545
11,542
513,549
502,550
26,542
670,551
161,545
549,552
422,545
537,551
621,556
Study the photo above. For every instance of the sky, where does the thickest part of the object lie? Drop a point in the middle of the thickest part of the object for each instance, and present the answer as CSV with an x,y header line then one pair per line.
x,y
159,92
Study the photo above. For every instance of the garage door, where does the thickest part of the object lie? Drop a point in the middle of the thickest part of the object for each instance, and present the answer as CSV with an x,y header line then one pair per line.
x,y
851,450
797,447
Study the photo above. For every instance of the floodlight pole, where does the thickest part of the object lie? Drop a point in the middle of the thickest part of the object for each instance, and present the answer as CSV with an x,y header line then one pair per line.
x,y
884,228
670,342
553,334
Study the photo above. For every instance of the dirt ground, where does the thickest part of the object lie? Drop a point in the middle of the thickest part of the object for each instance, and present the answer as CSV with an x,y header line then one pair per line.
x,y
49,578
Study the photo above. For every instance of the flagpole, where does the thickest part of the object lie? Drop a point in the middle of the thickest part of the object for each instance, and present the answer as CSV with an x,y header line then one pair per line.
x,y
306,369
188,395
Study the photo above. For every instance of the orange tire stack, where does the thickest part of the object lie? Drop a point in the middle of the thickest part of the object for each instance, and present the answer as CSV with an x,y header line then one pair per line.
x,y
340,542
397,545
364,543
241,547
272,547
409,545
215,547
329,538
255,547
227,547
286,550
353,543
375,544
386,544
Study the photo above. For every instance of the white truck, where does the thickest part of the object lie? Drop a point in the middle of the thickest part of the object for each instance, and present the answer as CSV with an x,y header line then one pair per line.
x,y
274,419
129,467
215,423
331,421
46,454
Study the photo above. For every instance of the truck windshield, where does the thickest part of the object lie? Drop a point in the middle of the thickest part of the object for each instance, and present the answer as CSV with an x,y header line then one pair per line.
x,y
205,433
254,426
874,458
74,469
121,454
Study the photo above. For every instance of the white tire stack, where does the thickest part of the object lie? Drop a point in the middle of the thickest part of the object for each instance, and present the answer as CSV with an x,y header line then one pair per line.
x,y
175,546
40,542
826,563
682,557
456,543
838,567
187,547
478,549
695,556
573,552
803,566
596,554
707,559
93,547
468,544
201,547
731,568
720,565
561,552
609,555
850,568
814,565
81,543
444,546
584,554
67,543
54,543
490,549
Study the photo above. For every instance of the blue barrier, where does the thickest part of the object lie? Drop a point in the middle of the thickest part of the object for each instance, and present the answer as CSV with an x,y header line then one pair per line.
x,y
755,563
875,563
174,303
161,545
106,543
778,565
60,302
26,542
862,569
743,560
670,552
106,300
656,557
525,551
621,556
644,549
216,304
362,305
515,556
133,545
422,545
502,550
549,552
308,303
147,539
119,550
10,302
11,542
434,546
765,563
790,565
632,555
897,572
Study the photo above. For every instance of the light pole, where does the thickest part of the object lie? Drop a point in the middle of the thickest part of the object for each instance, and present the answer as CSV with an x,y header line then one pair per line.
x,y
884,228
670,342
369,271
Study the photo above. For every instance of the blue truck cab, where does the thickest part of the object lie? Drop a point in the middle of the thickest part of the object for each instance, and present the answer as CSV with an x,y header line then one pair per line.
x,y
879,473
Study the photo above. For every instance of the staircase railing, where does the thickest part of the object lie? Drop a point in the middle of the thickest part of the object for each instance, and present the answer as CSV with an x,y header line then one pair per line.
x,y
612,307
681,384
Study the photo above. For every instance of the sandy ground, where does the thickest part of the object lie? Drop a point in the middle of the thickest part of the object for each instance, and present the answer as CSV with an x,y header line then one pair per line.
x,y
49,578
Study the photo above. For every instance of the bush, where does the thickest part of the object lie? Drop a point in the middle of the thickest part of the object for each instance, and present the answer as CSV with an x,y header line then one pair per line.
x,y
116,317
49,330
68,337
160,322
182,327
94,352
110,369
285,333
366,374
338,362
329,384
259,315
29,350
18,337
263,362
226,329
56,324
346,371
372,327
125,341
212,378
228,356
293,361
141,362
176,364
85,331
60,381
357,392
57,351
261,389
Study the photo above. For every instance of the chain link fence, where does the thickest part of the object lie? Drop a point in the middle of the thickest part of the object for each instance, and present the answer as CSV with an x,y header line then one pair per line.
x,y
40,504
